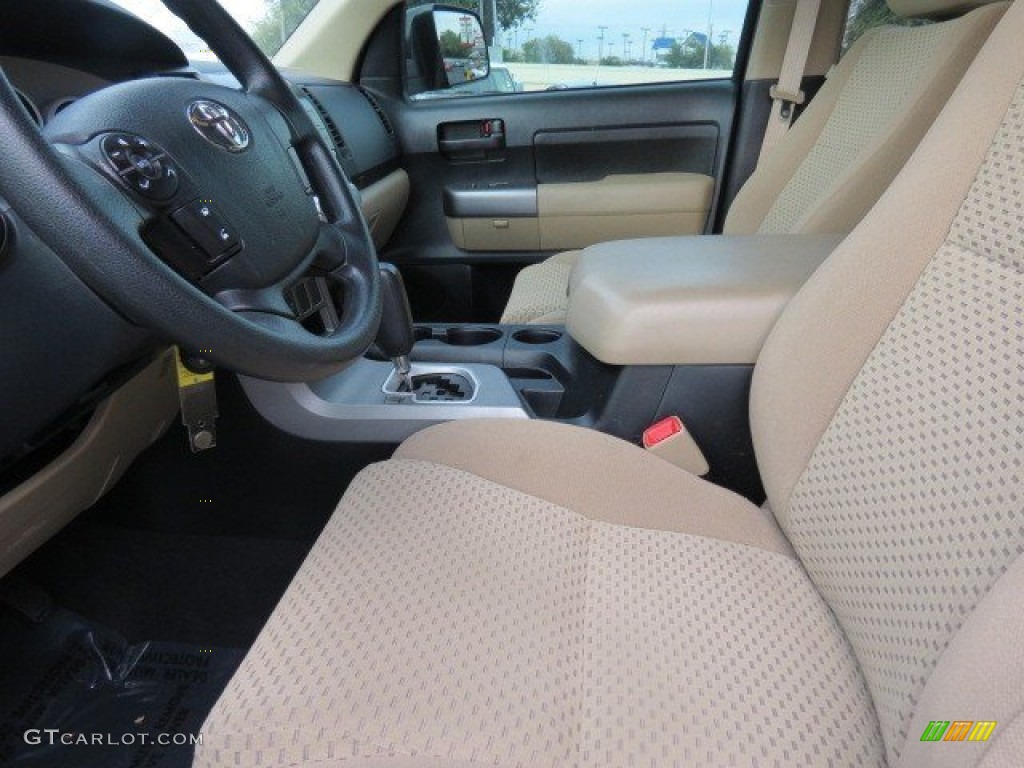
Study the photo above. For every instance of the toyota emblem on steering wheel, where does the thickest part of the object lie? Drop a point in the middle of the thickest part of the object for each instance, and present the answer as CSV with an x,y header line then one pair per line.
x,y
219,125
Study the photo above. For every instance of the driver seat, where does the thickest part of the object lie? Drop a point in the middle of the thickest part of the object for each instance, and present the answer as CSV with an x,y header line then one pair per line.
x,y
538,594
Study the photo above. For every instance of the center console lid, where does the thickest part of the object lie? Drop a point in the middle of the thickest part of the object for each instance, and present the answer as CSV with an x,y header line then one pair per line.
x,y
688,300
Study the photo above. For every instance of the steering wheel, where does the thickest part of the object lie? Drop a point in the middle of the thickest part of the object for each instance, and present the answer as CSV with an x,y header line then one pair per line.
x,y
217,218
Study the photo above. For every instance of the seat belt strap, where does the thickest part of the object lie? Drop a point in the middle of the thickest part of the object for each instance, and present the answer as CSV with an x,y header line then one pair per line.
x,y
786,94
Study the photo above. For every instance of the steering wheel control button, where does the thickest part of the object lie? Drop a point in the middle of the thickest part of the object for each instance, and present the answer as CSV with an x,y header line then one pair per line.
x,y
219,125
142,165
116,149
207,228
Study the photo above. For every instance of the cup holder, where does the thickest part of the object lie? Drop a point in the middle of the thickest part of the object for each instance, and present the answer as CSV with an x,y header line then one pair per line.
x,y
471,337
528,374
536,336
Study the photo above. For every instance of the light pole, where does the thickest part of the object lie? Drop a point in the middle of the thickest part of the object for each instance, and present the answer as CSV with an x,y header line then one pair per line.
x,y
600,44
643,51
579,49
707,42
625,46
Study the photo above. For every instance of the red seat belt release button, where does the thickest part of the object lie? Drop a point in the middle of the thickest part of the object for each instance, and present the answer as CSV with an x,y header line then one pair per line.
x,y
662,431
669,440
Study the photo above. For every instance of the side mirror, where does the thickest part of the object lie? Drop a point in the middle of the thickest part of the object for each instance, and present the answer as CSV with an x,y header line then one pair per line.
x,y
460,36
446,48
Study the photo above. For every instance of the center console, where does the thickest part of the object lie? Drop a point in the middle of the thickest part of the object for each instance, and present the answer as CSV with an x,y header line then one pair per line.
x,y
657,327
456,372
688,301
368,401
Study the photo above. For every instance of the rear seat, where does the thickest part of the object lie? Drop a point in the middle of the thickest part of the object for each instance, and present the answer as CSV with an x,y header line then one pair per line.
x,y
843,152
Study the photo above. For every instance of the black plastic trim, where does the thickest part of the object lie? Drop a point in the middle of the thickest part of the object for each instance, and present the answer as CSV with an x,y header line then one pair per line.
x,y
591,154
713,403
370,153
90,35
60,341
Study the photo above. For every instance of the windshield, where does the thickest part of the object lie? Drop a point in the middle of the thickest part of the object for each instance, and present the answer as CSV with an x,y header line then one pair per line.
x,y
269,22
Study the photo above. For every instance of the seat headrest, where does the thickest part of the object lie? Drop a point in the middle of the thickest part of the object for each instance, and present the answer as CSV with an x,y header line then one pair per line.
x,y
934,9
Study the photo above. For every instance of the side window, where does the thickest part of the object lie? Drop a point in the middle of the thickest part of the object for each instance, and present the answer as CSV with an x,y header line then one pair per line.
x,y
866,15
547,45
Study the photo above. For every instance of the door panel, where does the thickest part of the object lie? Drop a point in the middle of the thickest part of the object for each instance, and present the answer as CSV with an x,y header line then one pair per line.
x,y
578,214
652,156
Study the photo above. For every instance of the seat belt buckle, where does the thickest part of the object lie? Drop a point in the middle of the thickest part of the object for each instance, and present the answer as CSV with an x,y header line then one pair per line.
x,y
669,440
788,99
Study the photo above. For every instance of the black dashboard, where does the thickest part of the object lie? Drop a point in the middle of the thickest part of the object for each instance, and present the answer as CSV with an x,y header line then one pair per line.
x,y
56,51
63,347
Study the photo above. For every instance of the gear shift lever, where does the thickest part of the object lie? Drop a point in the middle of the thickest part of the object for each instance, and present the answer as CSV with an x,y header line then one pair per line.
x,y
396,335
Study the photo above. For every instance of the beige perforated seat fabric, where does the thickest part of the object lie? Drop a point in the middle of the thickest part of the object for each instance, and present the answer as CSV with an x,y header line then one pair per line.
x,y
515,622
839,157
524,593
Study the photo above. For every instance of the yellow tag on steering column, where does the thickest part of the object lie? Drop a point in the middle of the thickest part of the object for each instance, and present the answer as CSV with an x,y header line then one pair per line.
x,y
197,392
187,378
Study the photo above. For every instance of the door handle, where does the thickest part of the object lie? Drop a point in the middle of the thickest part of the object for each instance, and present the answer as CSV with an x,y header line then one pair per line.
x,y
471,139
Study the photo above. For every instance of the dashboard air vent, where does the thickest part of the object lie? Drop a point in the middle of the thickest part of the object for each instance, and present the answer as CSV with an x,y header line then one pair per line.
x,y
31,108
381,114
332,129
59,106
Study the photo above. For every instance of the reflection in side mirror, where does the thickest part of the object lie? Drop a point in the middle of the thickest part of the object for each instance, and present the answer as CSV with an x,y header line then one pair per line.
x,y
460,37
446,49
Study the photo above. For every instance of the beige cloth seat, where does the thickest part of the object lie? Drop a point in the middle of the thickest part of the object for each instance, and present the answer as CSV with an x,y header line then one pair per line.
x,y
536,594
841,154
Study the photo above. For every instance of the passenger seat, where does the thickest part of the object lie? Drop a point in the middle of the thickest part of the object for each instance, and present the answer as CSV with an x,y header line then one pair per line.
x,y
843,152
